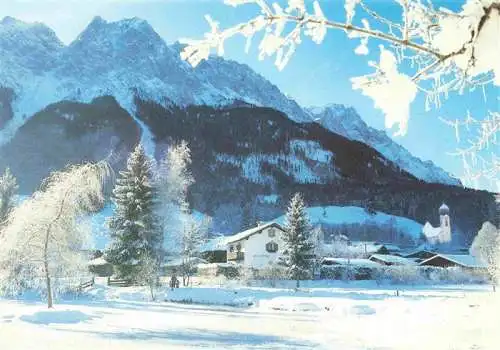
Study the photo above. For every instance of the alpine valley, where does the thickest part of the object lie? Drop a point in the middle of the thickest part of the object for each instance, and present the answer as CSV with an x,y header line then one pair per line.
x,y
119,83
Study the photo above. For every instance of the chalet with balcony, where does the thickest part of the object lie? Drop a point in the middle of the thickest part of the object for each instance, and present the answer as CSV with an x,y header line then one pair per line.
x,y
257,247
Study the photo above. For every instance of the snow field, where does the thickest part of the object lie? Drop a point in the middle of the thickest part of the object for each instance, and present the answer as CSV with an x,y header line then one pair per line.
x,y
326,316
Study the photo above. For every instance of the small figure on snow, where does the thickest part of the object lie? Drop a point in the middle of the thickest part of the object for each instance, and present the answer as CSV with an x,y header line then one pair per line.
x,y
174,282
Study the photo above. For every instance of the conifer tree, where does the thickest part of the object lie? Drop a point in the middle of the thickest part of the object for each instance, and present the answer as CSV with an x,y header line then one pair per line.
x,y
8,189
296,238
134,226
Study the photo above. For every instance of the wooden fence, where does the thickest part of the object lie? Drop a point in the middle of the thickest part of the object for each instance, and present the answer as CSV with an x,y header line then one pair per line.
x,y
86,285
119,282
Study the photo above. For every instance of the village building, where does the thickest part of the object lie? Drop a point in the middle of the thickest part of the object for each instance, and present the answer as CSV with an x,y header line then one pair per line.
x,y
392,260
467,262
100,267
366,249
258,247
346,268
441,234
420,255
215,250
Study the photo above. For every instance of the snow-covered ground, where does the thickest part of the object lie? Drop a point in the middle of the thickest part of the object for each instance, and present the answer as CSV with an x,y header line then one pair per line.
x,y
335,316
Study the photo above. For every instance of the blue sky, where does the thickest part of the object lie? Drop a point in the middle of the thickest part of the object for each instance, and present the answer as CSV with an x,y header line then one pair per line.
x,y
317,74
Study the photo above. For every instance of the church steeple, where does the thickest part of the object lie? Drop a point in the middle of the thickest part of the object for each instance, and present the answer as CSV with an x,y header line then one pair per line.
x,y
445,225
444,209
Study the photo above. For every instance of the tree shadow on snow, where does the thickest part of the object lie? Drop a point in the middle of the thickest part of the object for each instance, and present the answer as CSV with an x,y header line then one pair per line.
x,y
58,317
199,310
203,338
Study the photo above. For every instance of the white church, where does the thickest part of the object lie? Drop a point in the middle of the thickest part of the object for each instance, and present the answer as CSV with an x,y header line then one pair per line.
x,y
441,234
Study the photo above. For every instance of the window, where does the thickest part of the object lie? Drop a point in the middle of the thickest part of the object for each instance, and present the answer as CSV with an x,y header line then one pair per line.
x,y
272,247
231,248
272,232
238,247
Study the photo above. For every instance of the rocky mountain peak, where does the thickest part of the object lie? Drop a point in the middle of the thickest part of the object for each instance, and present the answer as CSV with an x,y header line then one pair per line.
x,y
347,122
32,46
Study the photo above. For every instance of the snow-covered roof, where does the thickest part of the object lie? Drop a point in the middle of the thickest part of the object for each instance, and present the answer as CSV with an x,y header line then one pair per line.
x,y
245,234
418,250
462,260
353,262
430,231
98,262
340,237
365,247
217,243
215,265
393,259
179,262
392,247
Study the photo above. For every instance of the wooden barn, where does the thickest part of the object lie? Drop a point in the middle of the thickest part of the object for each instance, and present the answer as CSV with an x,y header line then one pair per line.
x,y
448,260
392,260
420,255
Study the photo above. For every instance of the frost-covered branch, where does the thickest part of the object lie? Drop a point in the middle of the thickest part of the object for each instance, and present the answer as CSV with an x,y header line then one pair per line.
x,y
427,50
483,143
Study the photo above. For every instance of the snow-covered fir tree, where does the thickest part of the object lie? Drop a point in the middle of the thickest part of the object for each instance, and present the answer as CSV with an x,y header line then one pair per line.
x,y
298,246
134,226
173,180
43,246
8,189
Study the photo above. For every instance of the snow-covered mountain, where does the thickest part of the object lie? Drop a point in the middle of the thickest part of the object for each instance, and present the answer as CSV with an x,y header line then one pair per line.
x,y
346,121
123,59
127,59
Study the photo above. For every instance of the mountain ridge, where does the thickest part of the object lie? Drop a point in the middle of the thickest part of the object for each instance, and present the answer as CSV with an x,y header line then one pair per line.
x,y
247,161
127,58
347,122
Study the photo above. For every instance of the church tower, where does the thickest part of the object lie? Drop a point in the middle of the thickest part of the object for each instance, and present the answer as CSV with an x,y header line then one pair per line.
x,y
445,225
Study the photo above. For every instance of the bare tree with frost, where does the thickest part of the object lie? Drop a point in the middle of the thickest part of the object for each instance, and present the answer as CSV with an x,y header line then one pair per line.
x,y
173,181
44,241
149,271
8,190
486,248
194,235
428,50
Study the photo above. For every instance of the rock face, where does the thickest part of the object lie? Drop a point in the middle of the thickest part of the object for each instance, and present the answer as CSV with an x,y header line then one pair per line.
x,y
346,121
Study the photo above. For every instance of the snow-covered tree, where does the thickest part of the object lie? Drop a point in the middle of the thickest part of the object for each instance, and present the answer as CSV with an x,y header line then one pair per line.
x,y
173,180
44,241
339,248
148,273
194,235
428,50
486,248
297,241
134,226
317,241
8,189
